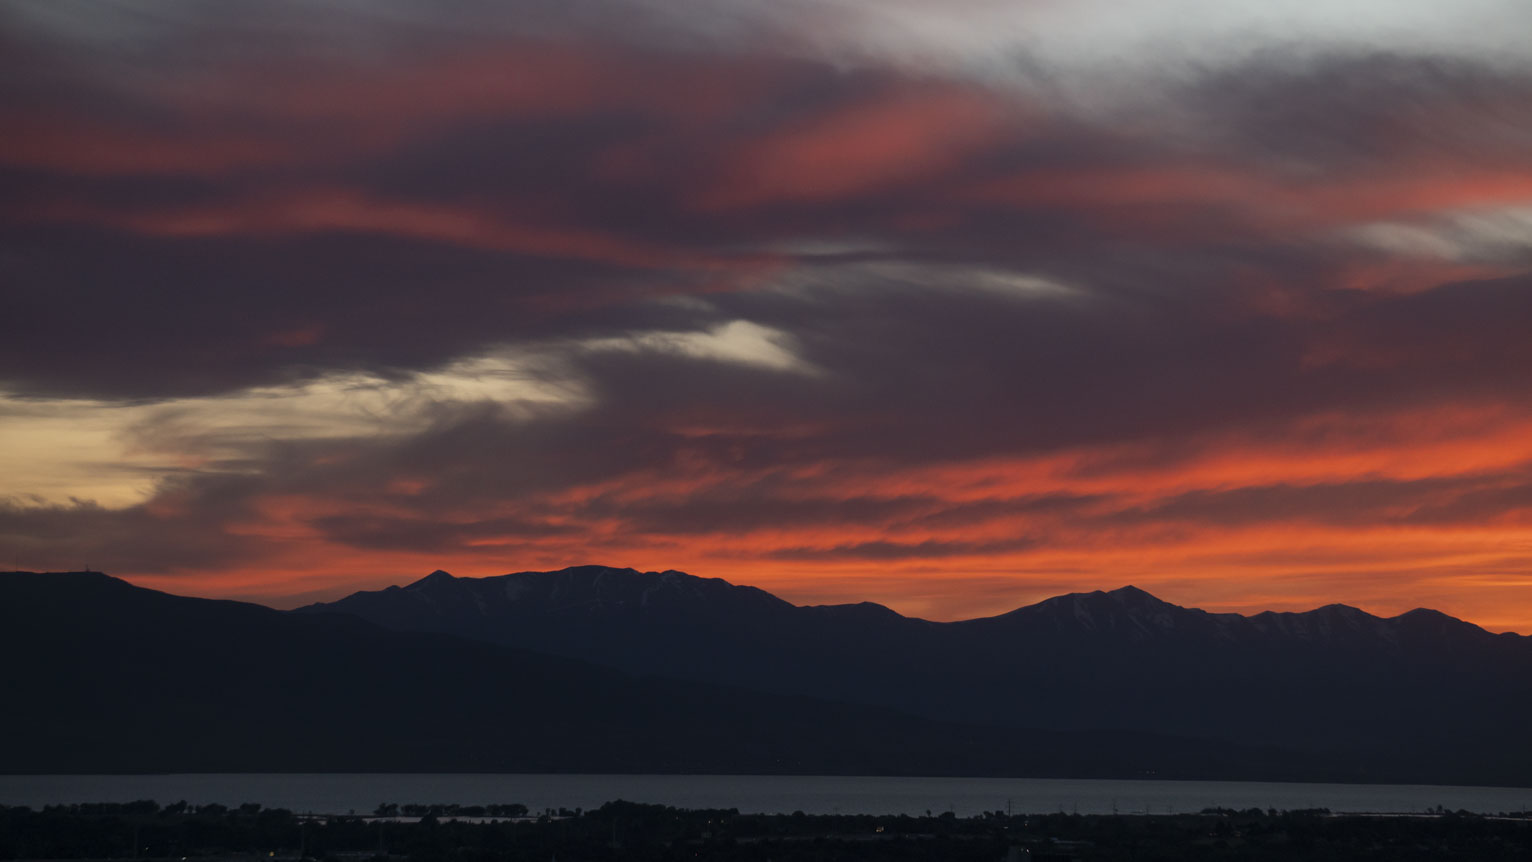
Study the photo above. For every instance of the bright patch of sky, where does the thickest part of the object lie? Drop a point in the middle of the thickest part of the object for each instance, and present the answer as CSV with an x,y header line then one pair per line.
x,y
1096,32
1064,34
739,342
55,450
805,281
1469,236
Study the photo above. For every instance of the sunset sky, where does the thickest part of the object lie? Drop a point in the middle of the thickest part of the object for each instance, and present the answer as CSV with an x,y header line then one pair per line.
x,y
950,306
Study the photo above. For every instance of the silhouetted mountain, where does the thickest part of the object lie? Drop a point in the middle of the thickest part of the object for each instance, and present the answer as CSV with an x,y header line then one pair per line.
x,y
102,676
1421,695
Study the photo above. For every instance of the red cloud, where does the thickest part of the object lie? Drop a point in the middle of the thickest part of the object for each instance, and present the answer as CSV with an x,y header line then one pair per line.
x,y
892,140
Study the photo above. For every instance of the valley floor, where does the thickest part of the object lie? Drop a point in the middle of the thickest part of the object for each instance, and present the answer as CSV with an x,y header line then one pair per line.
x,y
630,831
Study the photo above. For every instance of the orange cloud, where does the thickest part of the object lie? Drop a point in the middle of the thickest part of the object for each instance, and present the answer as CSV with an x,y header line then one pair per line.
x,y
73,144
896,139
251,115
981,537
339,210
1143,199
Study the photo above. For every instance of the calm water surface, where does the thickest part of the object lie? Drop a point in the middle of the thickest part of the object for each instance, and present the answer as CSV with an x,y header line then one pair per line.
x,y
340,794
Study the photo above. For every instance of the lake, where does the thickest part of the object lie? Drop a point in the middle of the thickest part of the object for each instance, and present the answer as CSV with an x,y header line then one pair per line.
x,y
814,794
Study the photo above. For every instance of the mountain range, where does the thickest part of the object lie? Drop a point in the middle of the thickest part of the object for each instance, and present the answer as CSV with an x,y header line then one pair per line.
x,y
105,677
1421,688
597,669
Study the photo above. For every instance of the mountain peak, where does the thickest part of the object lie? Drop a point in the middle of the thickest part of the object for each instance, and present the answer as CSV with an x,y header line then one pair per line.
x,y
1128,598
1134,597
437,577
1127,610
1345,611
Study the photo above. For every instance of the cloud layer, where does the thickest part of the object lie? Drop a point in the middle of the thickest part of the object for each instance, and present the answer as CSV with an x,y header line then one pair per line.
x,y
841,300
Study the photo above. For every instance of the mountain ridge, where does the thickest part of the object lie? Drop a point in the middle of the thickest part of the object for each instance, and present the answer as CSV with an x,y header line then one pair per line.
x,y
1128,596
1335,680
676,673
118,678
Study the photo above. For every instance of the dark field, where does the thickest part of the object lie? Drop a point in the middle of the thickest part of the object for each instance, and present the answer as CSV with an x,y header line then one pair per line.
x,y
623,830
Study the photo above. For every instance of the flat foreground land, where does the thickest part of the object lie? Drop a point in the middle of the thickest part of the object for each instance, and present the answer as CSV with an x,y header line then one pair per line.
x,y
630,831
